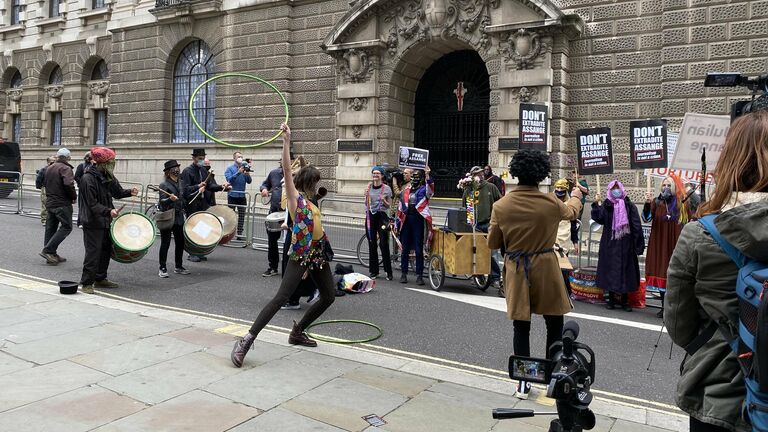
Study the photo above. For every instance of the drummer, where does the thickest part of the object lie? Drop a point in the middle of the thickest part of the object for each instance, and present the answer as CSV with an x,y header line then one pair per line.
x,y
96,214
272,184
172,200
198,188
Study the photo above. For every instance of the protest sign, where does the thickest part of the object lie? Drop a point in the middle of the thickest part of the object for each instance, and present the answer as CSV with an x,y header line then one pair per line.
x,y
411,157
687,175
594,152
700,131
648,144
533,126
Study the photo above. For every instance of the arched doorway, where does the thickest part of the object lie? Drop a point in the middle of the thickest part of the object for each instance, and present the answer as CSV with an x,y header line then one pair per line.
x,y
453,129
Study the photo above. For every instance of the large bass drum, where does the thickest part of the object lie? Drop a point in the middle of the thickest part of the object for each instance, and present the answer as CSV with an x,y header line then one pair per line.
x,y
132,236
228,219
202,233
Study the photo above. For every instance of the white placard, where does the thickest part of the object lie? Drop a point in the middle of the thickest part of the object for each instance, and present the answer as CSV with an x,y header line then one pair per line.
x,y
700,131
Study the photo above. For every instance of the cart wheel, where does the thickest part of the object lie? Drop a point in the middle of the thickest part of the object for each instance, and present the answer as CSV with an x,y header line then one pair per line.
x,y
436,272
482,281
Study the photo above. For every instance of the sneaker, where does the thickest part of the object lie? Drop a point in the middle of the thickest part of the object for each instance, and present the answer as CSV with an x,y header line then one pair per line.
x,y
50,259
203,258
194,258
523,389
163,273
88,289
340,293
389,276
60,258
106,283
419,280
241,348
181,271
373,275
403,279
289,306
269,272
314,297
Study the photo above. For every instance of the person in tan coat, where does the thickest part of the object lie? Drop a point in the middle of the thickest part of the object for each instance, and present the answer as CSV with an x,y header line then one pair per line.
x,y
524,224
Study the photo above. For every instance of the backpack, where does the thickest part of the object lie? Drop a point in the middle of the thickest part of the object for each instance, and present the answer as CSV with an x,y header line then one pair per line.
x,y
751,345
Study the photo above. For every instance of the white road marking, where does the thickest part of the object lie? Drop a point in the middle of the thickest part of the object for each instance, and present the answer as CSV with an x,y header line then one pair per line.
x,y
500,304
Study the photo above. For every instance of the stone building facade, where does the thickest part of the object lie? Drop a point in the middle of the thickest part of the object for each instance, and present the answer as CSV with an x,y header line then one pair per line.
x,y
353,76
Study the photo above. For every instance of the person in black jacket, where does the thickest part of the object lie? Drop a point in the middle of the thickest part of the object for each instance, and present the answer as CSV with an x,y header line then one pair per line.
x,y
273,184
40,184
172,200
82,167
198,188
97,188
60,195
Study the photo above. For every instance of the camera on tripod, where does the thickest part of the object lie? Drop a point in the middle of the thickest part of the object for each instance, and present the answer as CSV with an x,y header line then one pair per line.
x,y
730,79
569,374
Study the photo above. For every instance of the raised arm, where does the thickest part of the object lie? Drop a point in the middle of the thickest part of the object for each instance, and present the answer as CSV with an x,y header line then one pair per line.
x,y
291,193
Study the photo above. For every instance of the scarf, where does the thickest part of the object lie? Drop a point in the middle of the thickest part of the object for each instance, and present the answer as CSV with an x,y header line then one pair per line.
x,y
620,215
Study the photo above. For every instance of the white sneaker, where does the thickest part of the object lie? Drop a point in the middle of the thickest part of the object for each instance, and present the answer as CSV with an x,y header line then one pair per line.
x,y
314,297
523,389
163,273
289,306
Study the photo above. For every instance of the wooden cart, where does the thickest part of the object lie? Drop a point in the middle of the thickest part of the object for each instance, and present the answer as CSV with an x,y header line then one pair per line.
x,y
459,255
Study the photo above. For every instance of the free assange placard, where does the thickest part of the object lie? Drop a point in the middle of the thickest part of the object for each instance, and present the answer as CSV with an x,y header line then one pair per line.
x,y
594,152
411,157
648,144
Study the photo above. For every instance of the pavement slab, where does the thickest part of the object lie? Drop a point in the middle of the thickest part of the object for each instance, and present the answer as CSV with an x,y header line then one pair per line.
x,y
390,380
79,410
41,382
143,326
262,352
279,419
18,315
343,403
10,364
433,412
196,411
201,337
46,327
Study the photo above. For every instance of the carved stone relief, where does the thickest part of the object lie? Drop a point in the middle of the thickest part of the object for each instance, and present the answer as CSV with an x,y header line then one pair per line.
x,y
356,65
99,88
526,94
14,94
54,92
358,104
357,131
523,47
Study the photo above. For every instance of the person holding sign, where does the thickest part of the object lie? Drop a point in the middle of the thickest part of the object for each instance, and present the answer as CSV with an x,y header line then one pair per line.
x,y
412,216
378,198
668,213
618,270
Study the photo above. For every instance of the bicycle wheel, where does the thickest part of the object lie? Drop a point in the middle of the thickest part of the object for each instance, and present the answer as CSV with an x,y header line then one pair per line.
x,y
436,272
363,253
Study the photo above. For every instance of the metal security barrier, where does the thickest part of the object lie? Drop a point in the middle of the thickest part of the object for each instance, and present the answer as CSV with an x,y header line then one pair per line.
x,y
7,189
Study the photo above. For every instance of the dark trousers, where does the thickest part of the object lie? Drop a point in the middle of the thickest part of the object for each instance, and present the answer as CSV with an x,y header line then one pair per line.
x,y
165,244
98,249
379,238
412,238
57,227
699,426
293,274
240,202
273,253
521,340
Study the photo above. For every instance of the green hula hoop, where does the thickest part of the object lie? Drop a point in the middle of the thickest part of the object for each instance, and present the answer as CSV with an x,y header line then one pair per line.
x,y
344,341
243,75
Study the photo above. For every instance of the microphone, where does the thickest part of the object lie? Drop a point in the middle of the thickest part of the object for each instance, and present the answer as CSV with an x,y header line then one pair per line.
x,y
570,333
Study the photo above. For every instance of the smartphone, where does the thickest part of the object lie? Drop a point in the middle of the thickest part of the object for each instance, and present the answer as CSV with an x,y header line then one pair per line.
x,y
530,369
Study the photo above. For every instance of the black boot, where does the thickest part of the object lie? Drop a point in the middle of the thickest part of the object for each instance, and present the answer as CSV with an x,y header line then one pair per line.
x,y
241,349
298,337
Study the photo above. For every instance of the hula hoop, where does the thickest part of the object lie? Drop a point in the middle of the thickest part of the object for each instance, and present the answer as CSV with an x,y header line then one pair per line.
x,y
344,341
243,75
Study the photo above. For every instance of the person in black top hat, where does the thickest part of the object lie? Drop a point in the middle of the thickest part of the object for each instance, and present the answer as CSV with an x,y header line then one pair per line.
x,y
172,199
197,180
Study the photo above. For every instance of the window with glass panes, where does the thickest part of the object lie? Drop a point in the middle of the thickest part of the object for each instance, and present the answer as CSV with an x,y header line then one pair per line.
x,y
98,4
16,80
100,71
54,12
56,128
15,127
194,65
15,11
56,76
100,127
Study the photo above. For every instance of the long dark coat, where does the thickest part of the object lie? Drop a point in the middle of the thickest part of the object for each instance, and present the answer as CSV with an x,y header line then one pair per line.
x,y
617,267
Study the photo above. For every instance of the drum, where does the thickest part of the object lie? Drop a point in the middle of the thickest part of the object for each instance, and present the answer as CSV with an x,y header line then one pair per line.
x,y
202,233
584,285
274,221
228,219
132,236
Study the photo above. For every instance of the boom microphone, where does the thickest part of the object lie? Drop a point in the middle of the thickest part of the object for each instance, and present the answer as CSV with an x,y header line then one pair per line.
x,y
570,333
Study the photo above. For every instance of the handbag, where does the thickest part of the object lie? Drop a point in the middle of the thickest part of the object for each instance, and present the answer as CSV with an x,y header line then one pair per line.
x,y
165,219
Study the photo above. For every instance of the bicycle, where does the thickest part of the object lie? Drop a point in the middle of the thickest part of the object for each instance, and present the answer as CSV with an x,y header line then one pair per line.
x,y
363,253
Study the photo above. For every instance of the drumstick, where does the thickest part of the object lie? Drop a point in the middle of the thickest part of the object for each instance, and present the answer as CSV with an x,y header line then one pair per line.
x,y
157,189
204,181
121,208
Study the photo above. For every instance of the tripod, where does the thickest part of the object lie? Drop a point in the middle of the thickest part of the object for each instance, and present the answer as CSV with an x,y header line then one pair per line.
x,y
656,346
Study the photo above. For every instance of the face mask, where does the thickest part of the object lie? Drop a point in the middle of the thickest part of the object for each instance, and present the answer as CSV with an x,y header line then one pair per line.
x,y
478,178
616,193
200,163
107,169
239,160
666,192
175,172
560,194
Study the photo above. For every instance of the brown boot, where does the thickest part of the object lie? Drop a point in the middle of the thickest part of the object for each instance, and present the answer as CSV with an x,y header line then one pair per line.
x,y
241,349
298,337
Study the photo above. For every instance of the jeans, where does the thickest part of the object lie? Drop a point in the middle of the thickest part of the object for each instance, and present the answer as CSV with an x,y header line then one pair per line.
x,y
521,338
165,243
379,239
495,270
57,228
699,426
238,204
98,249
412,238
293,273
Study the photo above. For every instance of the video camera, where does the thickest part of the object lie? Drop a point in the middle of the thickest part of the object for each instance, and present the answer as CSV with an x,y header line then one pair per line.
x,y
730,79
246,165
569,375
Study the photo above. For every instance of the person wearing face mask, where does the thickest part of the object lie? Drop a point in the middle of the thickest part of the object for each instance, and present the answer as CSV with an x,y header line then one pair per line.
x,y
98,187
171,199
495,180
378,199
667,214
618,270
483,198
237,176
195,180
414,220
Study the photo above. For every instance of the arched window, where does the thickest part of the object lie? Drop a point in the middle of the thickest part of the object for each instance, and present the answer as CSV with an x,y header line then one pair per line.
x,y
195,65
56,76
16,80
100,71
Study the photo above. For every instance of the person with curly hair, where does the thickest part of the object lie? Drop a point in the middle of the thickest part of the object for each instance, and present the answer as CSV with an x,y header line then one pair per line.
x,y
524,222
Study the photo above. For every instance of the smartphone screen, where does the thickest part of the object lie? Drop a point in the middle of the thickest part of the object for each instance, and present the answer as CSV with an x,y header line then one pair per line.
x,y
530,369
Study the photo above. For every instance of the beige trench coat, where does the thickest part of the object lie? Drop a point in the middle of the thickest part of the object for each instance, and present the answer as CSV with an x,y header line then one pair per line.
x,y
527,220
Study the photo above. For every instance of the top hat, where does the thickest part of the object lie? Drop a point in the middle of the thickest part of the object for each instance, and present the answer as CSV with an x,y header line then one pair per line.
x,y
198,152
170,164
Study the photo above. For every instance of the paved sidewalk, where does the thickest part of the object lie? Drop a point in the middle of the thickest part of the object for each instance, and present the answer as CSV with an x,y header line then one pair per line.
x,y
90,363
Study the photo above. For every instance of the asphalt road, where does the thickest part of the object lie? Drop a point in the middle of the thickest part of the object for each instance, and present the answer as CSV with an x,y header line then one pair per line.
x,y
230,284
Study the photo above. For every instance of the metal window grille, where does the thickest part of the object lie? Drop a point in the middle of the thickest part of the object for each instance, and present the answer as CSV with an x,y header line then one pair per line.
x,y
16,80
56,76
16,127
100,127
195,65
56,128
100,71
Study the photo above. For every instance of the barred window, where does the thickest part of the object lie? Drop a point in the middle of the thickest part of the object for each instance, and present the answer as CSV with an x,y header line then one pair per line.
x,y
195,65
15,11
54,12
100,127
56,128
15,127
100,71
98,4
56,76
16,80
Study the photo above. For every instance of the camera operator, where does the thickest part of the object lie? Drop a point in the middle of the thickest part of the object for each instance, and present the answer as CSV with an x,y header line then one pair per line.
x,y
238,175
524,222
